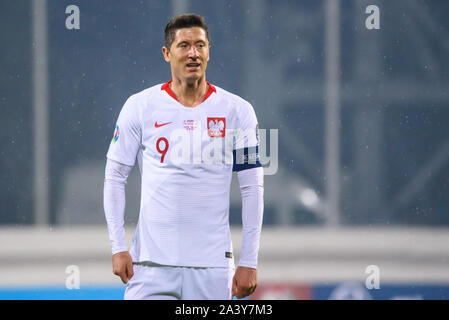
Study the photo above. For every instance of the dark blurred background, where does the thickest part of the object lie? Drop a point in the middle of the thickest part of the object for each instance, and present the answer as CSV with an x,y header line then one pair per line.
x,y
393,109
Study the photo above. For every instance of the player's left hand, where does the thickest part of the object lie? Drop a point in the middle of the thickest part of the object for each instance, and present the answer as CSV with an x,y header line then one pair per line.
x,y
244,282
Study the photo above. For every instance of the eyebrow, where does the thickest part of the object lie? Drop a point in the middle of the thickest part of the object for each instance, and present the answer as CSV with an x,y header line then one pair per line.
x,y
185,41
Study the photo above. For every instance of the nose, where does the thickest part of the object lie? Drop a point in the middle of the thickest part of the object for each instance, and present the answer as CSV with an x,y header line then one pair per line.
x,y
193,52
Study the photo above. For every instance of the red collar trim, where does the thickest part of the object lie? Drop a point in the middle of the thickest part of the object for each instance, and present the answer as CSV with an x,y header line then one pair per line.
x,y
167,88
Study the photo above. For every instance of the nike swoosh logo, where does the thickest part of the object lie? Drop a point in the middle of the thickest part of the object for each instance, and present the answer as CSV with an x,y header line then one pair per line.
x,y
160,125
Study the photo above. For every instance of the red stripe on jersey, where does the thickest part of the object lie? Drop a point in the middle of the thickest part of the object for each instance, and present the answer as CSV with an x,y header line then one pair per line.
x,y
167,88
209,91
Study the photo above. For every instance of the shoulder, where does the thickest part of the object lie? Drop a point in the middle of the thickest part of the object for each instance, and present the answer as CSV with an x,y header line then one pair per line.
x,y
238,102
243,109
137,102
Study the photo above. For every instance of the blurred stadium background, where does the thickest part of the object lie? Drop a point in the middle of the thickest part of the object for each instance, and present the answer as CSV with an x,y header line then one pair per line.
x,y
363,139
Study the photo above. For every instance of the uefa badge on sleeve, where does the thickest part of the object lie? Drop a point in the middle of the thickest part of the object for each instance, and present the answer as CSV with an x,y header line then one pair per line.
x,y
116,134
216,127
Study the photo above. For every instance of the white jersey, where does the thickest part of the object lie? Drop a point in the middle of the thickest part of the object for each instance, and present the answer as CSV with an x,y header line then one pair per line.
x,y
186,157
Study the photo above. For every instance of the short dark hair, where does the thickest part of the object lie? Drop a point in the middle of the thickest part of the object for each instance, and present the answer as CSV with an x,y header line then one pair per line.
x,y
183,21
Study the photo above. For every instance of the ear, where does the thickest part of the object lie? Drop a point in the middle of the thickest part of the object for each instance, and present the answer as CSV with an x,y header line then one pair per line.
x,y
166,53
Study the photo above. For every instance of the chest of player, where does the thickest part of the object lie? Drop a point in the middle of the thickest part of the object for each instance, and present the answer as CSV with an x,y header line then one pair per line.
x,y
177,137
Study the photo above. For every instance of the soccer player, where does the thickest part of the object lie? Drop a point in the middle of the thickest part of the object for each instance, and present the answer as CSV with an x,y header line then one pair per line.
x,y
188,137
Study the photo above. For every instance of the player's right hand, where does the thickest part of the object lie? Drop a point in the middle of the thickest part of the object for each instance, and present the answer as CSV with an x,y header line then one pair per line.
x,y
122,266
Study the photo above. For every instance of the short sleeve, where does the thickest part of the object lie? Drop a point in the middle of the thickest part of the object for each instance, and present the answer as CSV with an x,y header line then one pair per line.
x,y
126,140
246,144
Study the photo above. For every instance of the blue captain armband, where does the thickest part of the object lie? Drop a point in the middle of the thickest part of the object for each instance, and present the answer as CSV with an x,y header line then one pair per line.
x,y
246,158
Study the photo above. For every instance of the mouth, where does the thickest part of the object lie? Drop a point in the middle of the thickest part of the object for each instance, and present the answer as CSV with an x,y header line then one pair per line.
x,y
193,66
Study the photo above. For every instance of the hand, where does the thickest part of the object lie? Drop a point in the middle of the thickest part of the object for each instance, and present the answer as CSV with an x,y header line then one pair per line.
x,y
122,266
244,282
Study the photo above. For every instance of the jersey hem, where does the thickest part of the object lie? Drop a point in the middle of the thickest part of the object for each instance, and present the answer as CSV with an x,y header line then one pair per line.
x,y
184,264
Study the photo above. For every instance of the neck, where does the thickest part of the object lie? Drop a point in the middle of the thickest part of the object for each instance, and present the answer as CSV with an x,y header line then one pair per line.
x,y
189,93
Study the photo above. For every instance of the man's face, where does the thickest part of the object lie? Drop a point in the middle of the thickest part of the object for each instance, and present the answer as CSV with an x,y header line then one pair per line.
x,y
188,54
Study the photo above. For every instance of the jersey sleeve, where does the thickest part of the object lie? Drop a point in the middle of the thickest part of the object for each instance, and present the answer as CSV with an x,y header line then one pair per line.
x,y
114,200
246,143
127,138
251,188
